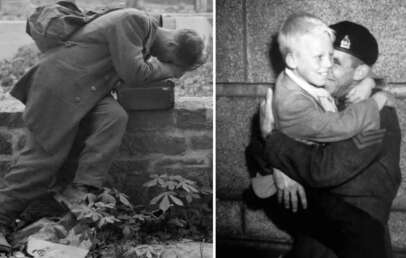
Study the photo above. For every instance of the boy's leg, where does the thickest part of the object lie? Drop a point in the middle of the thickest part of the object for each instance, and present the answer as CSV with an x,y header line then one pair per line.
x,y
305,246
103,129
30,176
348,231
352,233
388,242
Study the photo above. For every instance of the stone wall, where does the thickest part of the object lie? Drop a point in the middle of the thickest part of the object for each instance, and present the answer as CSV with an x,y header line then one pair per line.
x,y
177,141
244,70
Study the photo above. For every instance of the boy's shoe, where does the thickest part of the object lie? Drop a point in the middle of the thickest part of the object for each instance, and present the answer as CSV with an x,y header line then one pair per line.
x,y
263,186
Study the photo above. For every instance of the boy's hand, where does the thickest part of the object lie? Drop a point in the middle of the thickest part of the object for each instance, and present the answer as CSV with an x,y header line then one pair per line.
x,y
289,191
266,119
361,91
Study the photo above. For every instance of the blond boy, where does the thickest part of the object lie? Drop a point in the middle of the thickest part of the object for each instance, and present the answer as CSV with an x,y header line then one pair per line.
x,y
303,108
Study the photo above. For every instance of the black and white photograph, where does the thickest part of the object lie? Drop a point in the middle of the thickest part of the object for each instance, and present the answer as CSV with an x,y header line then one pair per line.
x,y
310,118
106,128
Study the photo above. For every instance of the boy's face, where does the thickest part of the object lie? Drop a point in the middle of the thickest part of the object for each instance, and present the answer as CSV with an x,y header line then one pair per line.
x,y
312,56
341,76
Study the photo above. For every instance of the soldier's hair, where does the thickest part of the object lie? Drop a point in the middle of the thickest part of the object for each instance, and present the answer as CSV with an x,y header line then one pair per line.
x,y
298,25
355,61
190,49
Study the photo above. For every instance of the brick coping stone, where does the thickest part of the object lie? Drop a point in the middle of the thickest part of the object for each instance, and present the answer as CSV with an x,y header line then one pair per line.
x,y
8,104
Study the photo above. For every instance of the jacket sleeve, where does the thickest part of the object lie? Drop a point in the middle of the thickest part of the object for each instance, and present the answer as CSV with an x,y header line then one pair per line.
x,y
320,165
126,38
300,118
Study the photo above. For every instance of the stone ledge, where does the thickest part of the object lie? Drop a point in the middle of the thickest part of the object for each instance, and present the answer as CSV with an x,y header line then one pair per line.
x,y
258,89
199,109
235,221
230,247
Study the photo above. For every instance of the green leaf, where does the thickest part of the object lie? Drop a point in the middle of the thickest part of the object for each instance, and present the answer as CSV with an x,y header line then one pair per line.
x,y
176,200
124,200
189,198
164,205
193,189
157,198
91,198
102,205
196,196
126,231
107,198
177,222
151,183
161,182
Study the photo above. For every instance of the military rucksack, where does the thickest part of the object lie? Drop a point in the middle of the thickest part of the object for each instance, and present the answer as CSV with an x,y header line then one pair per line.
x,y
52,25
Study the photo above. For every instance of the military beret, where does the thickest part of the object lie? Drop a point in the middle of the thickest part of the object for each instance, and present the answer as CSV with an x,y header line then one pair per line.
x,y
356,40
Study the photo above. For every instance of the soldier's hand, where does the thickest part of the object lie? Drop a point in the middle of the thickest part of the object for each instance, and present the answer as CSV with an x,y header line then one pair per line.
x,y
361,91
381,98
289,191
391,102
266,118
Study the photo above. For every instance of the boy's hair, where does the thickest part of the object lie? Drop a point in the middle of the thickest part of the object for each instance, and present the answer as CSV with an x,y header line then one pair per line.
x,y
297,25
190,48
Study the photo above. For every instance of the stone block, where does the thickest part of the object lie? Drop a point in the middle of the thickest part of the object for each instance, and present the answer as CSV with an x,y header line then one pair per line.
x,y
130,166
152,142
201,142
401,111
20,142
202,176
197,82
230,52
150,120
11,120
195,160
260,227
233,121
194,119
397,227
399,254
6,147
132,185
5,167
228,219
264,18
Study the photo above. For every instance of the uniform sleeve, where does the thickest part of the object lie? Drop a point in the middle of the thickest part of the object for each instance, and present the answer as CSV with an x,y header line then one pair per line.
x,y
299,118
319,165
126,39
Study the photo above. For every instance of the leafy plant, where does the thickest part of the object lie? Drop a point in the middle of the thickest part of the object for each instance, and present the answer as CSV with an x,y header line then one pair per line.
x,y
135,230
175,190
144,251
101,209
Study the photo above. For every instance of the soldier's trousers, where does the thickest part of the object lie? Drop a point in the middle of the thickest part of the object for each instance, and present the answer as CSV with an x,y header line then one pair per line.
x,y
93,143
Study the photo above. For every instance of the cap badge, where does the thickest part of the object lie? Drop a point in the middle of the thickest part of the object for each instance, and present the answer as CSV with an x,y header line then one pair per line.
x,y
345,42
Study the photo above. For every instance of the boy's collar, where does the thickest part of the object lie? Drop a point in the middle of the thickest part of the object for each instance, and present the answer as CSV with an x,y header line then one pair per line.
x,y
320,95
312,90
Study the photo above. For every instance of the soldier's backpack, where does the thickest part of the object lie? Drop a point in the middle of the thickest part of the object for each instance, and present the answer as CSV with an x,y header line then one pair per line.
x,y
52,25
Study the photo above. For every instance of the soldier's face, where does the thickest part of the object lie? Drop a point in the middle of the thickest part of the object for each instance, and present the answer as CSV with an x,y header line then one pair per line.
x,y
341,75
168,54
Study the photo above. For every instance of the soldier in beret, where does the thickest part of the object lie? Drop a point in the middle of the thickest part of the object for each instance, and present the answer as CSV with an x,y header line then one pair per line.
x,y
349,184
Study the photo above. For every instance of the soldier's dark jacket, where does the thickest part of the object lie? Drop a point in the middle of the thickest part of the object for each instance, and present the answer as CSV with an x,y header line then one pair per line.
x,y
366,176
